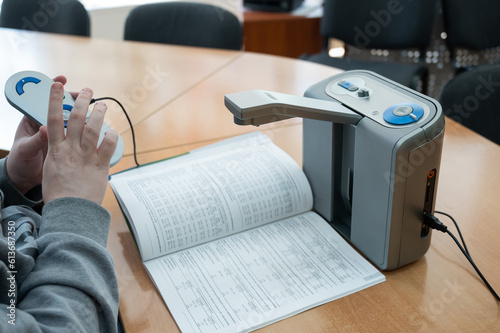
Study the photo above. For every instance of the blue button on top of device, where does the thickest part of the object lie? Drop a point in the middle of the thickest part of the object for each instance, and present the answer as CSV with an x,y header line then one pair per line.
x,y
397,118
22,82
348,85
345,84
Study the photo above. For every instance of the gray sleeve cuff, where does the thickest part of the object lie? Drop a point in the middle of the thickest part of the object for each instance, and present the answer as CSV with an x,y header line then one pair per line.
x,y
12,194
76,216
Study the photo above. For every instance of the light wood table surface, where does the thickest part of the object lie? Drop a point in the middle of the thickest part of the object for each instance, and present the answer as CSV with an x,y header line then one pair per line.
x,y
439,293
144,77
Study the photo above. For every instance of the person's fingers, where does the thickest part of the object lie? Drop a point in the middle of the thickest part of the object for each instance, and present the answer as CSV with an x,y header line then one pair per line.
x,y
26,128
107,147
43,132
77,116
93,127
45,137
55,122
61,78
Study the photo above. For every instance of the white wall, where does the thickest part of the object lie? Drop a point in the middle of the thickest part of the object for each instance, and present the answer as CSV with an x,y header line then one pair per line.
x,y
108,18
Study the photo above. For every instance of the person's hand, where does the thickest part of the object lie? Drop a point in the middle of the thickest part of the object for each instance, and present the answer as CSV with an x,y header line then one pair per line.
x,y
25,161
74,167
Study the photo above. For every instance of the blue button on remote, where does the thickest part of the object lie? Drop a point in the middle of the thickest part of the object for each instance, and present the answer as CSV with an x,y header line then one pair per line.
x,y
67,107
66,111
20,84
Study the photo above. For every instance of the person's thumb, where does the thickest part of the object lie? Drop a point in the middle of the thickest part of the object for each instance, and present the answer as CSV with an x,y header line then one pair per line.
x,y
35,143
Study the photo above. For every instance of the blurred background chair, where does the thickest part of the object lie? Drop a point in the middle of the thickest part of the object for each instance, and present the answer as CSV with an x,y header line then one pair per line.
x,y
470,25
184,23
64,17
379,24
473,99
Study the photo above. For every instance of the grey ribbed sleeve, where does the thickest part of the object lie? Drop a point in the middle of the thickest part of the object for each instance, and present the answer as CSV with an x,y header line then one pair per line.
x,y
70,285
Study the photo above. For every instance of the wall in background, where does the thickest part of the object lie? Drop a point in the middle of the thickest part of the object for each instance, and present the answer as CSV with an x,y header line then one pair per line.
x,y
108,17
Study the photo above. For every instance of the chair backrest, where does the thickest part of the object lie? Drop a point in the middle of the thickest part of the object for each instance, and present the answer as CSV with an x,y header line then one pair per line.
x,y
473,24
381,24
183,23
473,99
65,17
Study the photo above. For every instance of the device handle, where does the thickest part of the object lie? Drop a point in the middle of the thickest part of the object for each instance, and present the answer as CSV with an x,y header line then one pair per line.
x,y
257,107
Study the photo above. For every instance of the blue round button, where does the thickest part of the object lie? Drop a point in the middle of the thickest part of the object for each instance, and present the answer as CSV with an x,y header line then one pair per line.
x,y
403,114
66,111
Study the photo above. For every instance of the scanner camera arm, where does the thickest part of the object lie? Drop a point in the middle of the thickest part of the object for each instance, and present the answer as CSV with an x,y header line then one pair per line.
x,y
257,107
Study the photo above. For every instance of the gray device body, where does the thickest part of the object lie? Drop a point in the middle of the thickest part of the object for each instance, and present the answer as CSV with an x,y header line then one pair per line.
x,y
371,152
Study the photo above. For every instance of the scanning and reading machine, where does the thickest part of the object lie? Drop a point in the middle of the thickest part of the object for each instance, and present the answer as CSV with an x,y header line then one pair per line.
x,y
371,152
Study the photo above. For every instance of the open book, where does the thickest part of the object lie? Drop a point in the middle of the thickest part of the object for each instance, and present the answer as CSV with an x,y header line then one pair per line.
x,y
228,237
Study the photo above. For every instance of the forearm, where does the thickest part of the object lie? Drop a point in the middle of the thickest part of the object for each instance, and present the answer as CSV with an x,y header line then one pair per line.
x,y
72,287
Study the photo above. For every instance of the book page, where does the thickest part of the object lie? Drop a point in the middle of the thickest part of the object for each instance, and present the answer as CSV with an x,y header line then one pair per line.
x,y
207,196
260,276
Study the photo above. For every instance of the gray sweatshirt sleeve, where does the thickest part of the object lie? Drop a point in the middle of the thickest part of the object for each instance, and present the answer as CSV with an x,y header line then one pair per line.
x,y
72,285
12,194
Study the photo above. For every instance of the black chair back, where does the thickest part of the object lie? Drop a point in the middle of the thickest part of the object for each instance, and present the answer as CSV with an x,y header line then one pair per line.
x,y
380,24
472,24
64,17
473,99
183,23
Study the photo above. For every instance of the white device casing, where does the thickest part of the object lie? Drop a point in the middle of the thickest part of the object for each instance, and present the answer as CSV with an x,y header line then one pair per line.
x,y
29,92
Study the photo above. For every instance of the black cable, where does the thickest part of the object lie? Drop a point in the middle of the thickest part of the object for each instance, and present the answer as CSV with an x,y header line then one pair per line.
x,y
129,122
456,226
434,223
466,254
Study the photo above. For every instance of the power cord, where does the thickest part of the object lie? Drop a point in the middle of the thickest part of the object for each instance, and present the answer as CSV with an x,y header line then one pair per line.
x,y
128,119
434,223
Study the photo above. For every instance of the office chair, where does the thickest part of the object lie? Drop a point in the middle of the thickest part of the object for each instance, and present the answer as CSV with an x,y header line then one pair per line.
x,y
64,17
184,23
472,25
379,24
473,99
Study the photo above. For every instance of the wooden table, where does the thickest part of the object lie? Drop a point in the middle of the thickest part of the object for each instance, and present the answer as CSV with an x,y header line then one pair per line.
x,y
439,293
143,78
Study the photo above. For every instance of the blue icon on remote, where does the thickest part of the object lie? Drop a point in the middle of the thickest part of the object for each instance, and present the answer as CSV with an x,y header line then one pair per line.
x,y
22,82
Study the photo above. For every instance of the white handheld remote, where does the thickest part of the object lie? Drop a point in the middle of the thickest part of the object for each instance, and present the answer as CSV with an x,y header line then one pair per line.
x,y
29,92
